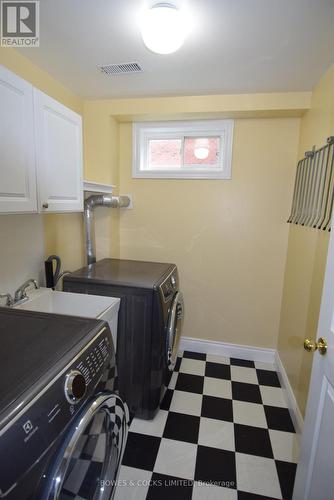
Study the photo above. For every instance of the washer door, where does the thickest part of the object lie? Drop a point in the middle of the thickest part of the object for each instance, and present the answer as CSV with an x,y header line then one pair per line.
x,y
174,326
88,464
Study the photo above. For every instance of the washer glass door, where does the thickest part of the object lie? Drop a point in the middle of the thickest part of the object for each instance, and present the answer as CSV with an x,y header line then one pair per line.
x,y
174,326
88,465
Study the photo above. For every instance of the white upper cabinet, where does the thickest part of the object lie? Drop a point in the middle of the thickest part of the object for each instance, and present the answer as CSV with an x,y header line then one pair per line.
x,y
41,161
59,155
17,152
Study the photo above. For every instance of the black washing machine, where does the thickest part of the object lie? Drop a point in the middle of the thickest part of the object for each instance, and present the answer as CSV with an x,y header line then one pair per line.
x,y
149,324
62,428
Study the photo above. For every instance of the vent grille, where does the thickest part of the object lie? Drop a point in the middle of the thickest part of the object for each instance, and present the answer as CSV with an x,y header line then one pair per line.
x,y
123,68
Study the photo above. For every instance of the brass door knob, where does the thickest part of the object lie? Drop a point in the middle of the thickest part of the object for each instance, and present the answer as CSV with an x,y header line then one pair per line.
x,y
311,345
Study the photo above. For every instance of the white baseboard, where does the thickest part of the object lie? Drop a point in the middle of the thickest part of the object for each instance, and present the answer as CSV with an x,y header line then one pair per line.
x,y
289,395
230,350
253,354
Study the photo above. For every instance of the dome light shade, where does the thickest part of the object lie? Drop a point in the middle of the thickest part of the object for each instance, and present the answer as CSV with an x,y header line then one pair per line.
x,y
163,29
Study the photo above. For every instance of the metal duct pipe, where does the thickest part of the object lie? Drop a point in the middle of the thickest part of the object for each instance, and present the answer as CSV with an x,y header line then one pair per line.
x,y
98,200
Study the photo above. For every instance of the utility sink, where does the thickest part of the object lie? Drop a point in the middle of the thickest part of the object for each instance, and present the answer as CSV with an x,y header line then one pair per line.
x,y
72,304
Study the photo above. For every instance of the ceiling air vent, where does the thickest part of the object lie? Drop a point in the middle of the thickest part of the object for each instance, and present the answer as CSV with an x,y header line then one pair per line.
x,y
123,68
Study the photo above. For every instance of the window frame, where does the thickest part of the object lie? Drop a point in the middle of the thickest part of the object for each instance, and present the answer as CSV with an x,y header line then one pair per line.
x,y
143,132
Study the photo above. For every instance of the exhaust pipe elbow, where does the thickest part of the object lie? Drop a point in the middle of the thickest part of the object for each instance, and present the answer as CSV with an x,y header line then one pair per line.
x,y
89,205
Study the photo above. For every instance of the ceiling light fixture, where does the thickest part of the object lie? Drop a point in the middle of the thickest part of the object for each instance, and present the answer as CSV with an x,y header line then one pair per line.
x,y
163,28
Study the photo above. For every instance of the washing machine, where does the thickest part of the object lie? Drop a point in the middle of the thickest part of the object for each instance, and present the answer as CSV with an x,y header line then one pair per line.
x,y
149,324
62,428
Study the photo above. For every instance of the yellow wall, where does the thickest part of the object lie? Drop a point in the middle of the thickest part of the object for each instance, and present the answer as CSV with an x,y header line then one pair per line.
x,y
104,154
206,106
64,232
102,165
228,238
306,257
24,68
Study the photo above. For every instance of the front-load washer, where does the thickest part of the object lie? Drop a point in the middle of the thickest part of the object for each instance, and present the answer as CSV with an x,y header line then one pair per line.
x,y
62,428
149,324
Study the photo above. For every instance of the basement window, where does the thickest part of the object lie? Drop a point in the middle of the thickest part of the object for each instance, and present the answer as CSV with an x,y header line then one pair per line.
x,y
183,150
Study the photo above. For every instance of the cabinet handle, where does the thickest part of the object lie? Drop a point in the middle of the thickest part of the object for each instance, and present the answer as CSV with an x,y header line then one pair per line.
x,y
45,205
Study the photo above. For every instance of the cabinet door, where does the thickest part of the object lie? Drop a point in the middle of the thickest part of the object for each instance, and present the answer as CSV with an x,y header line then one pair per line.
x,y
59,156
17,152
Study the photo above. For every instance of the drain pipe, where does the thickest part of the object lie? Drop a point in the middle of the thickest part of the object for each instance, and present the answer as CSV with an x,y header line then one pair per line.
x,y
98,200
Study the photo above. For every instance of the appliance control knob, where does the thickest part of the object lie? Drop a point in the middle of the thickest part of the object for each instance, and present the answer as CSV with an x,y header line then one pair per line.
x,y
173,282
75,386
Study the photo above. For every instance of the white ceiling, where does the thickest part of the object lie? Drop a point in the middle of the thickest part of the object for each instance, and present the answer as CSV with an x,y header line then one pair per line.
x,y
236,46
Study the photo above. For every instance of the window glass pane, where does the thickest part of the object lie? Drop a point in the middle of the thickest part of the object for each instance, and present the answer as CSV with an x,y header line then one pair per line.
x,y
164,153
201,151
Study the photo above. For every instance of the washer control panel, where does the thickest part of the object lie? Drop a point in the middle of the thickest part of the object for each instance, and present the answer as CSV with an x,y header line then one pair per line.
x,y
94,360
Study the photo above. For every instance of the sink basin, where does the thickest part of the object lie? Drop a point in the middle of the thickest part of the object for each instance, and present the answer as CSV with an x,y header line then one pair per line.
x,y
72,304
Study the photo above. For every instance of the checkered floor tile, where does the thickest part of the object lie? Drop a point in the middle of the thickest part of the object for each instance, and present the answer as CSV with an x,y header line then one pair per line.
x,y
223,432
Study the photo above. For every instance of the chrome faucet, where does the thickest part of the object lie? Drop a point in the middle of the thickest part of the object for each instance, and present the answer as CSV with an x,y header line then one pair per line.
x,y
9,301
21,294
61,276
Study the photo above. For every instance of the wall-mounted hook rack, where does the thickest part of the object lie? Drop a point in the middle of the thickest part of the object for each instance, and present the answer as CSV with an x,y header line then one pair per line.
x,y
313,195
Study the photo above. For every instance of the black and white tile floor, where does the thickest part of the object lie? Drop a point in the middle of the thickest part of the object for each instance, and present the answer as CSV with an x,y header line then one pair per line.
x,y
223,432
